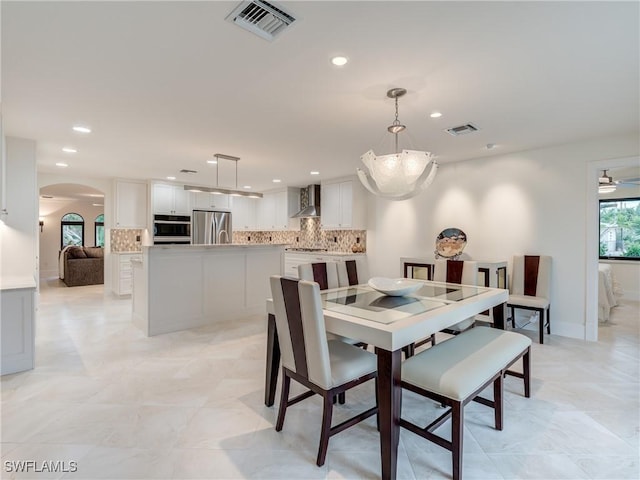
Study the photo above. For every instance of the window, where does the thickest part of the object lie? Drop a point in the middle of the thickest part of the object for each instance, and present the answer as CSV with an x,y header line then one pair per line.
x,y
72,232
98,230
620,228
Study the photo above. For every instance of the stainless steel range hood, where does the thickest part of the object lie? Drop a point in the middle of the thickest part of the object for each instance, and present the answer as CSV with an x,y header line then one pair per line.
x,y
312,207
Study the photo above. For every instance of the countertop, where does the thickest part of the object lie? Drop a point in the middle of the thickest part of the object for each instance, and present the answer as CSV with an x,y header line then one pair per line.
x,y
324,253
15,283
216,246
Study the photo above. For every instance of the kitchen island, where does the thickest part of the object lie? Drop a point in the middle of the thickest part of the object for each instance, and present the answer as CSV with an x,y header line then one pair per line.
x,y
176,287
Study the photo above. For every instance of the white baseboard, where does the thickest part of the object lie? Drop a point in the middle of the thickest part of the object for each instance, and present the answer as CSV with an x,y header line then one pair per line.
x,y
633,295
44,274
564,329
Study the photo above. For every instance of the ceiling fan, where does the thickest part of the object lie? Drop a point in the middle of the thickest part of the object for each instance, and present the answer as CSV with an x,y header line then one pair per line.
x,y
607,184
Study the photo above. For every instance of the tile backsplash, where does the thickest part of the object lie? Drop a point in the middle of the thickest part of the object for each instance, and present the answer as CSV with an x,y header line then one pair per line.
x,y
310,235
125,239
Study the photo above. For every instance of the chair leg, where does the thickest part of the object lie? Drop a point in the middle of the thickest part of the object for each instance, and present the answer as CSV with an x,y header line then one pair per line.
x,y
549,320
541,312
498,401
284,400
526,371
409,350
457,434
433,339
342,398
377,404
513,317
326,429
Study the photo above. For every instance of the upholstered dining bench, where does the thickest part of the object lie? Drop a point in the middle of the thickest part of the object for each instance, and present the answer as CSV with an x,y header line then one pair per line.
x,y
456,371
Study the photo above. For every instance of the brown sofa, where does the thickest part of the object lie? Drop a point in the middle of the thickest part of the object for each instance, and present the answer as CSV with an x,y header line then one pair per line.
x,y
83,266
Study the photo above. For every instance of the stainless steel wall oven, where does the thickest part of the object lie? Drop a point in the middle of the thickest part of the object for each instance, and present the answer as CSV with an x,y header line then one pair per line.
x,y
171,229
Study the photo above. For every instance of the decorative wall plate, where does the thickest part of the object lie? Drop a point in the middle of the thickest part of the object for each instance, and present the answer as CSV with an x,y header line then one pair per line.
x,y
450,243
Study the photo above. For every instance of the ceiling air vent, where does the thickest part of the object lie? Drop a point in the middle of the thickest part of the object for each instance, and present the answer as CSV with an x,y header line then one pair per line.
x,y
185,170
462,129
262,18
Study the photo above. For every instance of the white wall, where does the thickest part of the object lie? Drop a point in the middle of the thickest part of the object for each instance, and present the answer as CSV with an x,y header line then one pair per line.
x,y
18,236
530,202
50,235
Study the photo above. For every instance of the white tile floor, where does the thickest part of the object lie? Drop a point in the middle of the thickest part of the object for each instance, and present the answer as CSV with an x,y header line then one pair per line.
x,y
190,405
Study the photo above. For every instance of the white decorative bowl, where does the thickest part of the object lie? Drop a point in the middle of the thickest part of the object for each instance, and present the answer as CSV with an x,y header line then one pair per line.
x,y
394,287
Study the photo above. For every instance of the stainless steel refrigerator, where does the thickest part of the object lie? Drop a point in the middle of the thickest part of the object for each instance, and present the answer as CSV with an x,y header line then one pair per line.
x,y
208,227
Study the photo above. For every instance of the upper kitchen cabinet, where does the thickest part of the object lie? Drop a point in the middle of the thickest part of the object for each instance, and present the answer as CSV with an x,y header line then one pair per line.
x,y
209,201
131,204
275,209
171,200
243,213
343,205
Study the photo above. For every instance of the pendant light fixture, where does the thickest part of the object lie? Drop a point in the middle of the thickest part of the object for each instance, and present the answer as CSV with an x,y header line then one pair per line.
x,y
217,190
399,175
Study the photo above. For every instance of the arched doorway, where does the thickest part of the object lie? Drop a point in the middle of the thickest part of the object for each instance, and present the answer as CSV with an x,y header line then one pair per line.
x,y
74,209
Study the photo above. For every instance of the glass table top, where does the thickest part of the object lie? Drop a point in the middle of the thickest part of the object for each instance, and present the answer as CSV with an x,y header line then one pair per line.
x,y
364,302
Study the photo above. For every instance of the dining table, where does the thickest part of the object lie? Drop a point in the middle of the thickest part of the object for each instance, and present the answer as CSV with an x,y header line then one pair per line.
x,y
391,324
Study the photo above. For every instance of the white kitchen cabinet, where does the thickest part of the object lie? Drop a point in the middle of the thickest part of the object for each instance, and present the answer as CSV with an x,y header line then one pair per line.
x,y
243,213
17,302
122,271
293,259
343,205
209,201
131,204
275,209
171,200
266,212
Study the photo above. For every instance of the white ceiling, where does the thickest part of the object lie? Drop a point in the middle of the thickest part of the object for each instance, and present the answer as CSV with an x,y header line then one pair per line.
x,y
165,85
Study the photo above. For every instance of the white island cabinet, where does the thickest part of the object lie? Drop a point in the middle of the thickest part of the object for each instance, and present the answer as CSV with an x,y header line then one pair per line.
x,y
176,287
17,302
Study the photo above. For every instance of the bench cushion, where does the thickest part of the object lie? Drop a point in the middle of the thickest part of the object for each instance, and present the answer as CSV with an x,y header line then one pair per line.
x,y
459,366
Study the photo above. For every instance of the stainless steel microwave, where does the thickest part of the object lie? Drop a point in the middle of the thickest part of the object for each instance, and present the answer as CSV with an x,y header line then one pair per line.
x,y
171,229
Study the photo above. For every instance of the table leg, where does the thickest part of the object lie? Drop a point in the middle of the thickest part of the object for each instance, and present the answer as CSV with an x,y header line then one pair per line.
x,y
389,405
498,316
273,361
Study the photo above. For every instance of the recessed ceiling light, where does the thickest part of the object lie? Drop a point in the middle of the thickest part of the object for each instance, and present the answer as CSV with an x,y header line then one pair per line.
x,y
61,164
171,178
213,161
276,180
314,173
489,146
339,61
69,150
97,205
81,129
435,115
247,186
